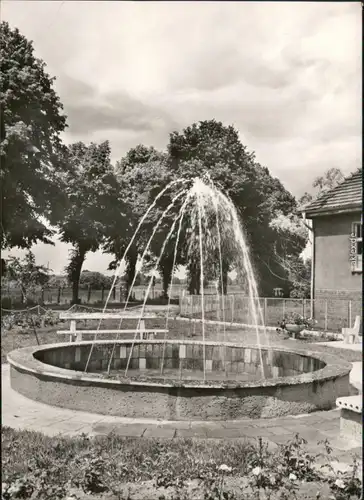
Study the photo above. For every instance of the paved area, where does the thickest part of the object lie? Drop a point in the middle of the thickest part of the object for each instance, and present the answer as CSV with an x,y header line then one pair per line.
x,y
340,344
356,374
20,412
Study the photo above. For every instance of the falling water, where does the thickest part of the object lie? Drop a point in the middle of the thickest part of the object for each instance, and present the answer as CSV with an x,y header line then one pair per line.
x,y
181,212
201,195
220,262
255,310
200,235
160,220
122,262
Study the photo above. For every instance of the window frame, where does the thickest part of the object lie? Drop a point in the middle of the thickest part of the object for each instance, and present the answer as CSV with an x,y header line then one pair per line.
x,y
355,261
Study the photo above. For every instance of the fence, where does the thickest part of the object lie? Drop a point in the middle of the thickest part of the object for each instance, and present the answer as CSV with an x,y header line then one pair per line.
x,y
330,314
63,295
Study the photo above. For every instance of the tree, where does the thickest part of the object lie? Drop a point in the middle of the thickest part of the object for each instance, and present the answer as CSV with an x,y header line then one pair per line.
x,y
142,174
300,277
94,205
58,281
210,146
95,280
331,178
27,274
204,147
31,122
292,236
293,232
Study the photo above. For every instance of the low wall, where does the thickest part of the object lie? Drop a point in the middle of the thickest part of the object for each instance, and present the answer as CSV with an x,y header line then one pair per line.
x,y
175,399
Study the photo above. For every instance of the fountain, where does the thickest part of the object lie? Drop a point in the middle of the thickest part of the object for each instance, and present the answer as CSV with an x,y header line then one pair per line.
x,y
180,379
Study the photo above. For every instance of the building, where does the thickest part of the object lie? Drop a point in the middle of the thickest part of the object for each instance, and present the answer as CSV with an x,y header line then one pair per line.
x,y
337,241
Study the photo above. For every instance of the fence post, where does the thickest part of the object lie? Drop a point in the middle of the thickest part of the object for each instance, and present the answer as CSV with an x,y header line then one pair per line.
x,y
88,293
284,307
232,307
265,311
59,295
114,293
102,293
120,294
349,307
42,296
326,315
303,307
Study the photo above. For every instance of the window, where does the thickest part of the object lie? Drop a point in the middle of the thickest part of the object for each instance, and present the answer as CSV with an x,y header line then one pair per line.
x,y
356,247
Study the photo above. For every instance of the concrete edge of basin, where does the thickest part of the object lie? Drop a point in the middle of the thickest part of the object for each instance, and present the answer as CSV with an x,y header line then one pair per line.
x,y
23,359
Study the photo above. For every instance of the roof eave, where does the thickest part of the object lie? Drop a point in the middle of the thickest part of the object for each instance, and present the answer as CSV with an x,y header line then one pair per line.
x,y
321,212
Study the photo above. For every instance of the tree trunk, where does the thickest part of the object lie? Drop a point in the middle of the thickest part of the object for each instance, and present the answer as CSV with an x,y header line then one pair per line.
x,y
165,268
75,267
24,297
131,259
224,281
194,279
225,270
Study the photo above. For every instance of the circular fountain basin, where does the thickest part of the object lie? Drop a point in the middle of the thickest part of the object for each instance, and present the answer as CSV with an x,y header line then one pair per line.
x,y
295,381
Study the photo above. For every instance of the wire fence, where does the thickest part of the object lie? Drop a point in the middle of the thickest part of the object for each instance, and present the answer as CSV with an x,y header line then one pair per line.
x,y
63,295
329,314
90,295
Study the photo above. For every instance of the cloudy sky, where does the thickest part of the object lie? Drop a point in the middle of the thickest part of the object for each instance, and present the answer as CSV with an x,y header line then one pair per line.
x,y
287,75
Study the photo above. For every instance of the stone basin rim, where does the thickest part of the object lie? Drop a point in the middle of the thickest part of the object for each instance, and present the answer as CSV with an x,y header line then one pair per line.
x,y
24,360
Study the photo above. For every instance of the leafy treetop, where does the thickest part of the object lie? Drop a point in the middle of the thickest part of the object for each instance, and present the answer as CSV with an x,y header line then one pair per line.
x,y
31,122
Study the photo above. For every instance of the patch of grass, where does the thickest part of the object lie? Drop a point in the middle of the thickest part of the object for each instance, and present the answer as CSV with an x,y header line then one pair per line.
x,y
143,458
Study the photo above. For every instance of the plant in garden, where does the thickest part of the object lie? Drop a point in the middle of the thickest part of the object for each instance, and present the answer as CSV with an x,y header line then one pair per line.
x,y
43,480
27,274
92,468
29,320
214,485
280,473
343,485
295,319
31,122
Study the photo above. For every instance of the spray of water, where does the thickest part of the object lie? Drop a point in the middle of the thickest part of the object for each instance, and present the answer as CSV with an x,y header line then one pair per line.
x,y
160,220
180,214
200,196
122,262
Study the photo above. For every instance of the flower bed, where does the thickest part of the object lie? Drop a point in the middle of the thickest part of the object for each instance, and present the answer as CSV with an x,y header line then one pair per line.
x,y
110,467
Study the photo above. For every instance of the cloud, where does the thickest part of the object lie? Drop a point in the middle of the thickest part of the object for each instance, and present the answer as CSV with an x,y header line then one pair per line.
x,y
115,111
286,74
133,72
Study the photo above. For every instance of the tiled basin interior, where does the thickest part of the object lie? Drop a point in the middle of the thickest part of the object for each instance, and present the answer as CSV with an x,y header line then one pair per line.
x,y
182,360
